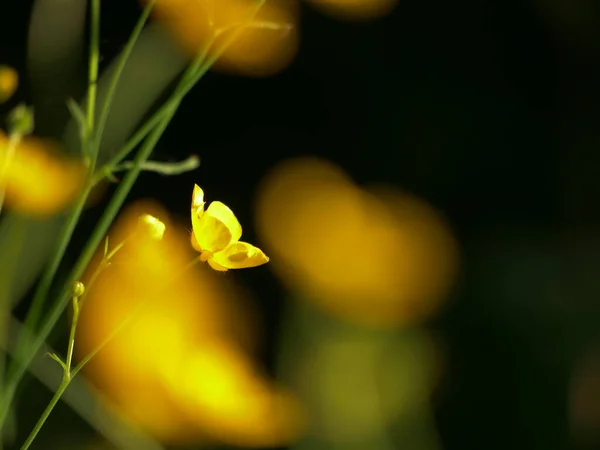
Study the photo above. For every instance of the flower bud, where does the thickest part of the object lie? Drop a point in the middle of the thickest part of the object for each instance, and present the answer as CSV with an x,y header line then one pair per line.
x,y
152,226
77,289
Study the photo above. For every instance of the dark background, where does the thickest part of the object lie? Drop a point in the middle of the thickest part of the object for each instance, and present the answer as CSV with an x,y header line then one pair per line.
x,y
487,109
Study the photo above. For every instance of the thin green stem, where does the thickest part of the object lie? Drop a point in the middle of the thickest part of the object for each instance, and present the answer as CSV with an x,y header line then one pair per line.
x,y
103,265
94,59
41,292
42,420
71,344
110,94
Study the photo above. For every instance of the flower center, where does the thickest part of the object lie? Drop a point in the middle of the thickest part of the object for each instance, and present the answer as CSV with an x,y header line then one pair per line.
x,y
205,255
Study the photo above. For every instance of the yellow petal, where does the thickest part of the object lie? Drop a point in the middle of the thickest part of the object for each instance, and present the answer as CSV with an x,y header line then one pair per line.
x,y
217,267
195,244
240,255
223,214
38,179
197,198
9,81
216,228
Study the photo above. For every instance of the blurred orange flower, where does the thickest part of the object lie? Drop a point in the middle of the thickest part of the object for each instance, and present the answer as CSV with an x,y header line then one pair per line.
x,y
216,235
176,370
379,258
9,81
267,44
37,179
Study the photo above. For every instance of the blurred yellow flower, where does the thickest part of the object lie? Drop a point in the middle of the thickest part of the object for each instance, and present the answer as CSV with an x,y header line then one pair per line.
x,y
267,44
216,233
354,9
9,81
374,257
36,178
178,370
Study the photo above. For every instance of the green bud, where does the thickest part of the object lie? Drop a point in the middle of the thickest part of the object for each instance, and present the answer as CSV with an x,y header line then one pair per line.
x,y
20,120
77,289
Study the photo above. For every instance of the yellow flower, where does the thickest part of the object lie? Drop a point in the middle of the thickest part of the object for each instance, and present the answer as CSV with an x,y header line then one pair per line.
x,y
36,177
216,233
9,81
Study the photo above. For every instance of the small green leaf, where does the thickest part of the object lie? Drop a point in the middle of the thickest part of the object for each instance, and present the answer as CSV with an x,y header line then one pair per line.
x,y
56,358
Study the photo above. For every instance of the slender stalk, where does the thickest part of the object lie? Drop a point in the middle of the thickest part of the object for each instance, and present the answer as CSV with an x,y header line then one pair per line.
x,y
110,94
41,292
42,420
94,59
71,345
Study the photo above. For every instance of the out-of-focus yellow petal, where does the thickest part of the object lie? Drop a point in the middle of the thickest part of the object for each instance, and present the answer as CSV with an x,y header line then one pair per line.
x,y
378,258
9,81
216,228
178,370
240,255
234,398
354,9
257,51
37,178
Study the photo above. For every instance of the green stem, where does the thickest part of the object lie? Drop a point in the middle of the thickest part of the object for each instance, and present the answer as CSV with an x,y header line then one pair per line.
x,y
71,345
42,420
41,292
94,59
118,72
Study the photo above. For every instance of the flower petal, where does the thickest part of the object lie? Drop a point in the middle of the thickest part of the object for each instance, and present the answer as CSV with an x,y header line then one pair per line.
x,y
197,198
216,228
39,180
217,267
223,214
240,255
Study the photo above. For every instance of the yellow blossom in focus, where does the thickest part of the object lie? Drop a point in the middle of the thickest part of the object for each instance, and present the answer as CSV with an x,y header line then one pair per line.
x,y
9,81
37,179
266,45
216,235
374,257
177,370
355,9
